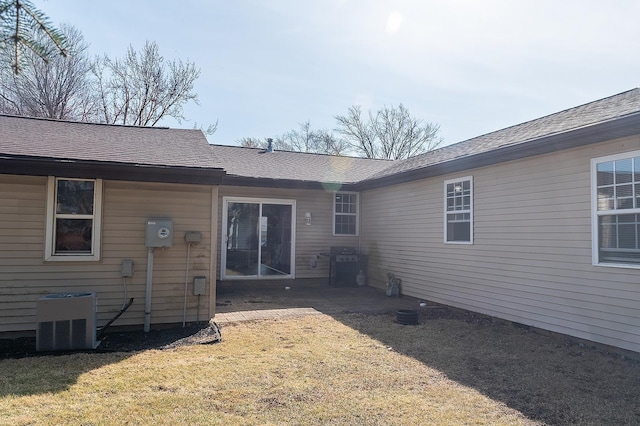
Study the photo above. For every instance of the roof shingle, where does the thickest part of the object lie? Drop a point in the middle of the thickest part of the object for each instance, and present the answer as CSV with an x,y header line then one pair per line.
x,y
599,111
285,165
62,140
66,140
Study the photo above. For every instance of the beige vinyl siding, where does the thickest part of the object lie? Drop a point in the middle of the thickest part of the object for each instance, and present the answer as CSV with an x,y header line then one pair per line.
x,y
125,213
25,277
531,257
22,213
310,239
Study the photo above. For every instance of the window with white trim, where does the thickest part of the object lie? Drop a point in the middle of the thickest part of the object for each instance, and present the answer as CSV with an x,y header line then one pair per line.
x,y
73,219
615,196
458,206
345,213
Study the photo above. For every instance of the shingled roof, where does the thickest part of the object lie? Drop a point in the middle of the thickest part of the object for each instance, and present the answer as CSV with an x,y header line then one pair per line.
x,y
148,150
65,140
581,117
552,132
44,147
294,166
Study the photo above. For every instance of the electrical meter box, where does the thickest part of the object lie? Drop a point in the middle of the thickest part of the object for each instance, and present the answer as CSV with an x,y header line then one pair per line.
x,y
159,232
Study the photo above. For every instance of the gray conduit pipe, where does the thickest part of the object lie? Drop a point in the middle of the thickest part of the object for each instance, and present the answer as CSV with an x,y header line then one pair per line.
x,y
186,283
147,300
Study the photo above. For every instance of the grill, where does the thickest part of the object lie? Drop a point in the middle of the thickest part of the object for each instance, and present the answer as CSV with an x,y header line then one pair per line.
x,y
344,265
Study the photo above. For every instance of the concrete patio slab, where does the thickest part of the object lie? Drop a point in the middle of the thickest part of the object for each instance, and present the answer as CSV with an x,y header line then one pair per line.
x,y
234,305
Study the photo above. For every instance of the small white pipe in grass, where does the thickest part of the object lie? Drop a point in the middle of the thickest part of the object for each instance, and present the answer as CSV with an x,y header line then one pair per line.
x,y
147,300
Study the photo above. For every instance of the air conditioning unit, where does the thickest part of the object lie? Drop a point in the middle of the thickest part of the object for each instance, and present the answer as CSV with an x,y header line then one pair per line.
x,y
66,321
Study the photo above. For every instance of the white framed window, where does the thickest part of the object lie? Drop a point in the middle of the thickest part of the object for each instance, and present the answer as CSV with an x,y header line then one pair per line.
x,y
73,225
615,210
458,210
345,213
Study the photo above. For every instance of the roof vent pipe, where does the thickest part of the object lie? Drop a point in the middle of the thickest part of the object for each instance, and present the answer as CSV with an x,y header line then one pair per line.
x,y
269,145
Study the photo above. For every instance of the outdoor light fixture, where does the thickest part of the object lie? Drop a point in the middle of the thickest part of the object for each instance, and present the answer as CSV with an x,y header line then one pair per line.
x,y
307,217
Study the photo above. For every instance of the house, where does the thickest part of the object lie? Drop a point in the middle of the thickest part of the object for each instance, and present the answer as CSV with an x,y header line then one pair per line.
x,y
74,200
538,223
294,195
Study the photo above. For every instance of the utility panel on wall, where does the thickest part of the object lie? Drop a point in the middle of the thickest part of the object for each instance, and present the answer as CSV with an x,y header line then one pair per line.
x,y
159,232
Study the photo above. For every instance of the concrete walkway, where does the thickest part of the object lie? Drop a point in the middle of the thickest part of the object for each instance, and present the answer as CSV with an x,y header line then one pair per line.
x,y
246,305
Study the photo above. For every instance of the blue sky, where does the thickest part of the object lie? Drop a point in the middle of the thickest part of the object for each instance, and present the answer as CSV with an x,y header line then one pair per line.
x,y
471,66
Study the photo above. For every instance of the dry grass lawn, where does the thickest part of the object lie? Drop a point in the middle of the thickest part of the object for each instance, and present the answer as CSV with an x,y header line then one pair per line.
x,y
347,370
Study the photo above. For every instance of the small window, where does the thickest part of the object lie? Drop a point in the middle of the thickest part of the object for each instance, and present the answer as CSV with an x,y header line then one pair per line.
x,y
458,205
615,192
73,219
345,213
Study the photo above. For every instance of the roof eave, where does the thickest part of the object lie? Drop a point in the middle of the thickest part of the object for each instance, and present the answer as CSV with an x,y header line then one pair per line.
x,y
613,129
43,166
261,182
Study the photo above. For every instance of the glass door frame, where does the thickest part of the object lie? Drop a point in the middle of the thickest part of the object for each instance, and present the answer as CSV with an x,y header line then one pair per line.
x,y
224,236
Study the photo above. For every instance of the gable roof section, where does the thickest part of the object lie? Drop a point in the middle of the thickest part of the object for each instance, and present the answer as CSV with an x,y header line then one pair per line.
x,y
138,153
256,167
608,118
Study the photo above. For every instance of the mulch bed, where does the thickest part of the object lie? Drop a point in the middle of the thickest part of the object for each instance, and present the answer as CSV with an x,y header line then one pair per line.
x,y
128,341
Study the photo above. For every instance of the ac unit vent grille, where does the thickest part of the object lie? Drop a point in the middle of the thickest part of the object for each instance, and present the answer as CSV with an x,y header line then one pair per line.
x,y
66,322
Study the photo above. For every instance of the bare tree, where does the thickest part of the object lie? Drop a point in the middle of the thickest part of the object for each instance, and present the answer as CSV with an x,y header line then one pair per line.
x,y
60,88
326,142
276,144
391,133
210,130
250,142
21,24
305,139
142,88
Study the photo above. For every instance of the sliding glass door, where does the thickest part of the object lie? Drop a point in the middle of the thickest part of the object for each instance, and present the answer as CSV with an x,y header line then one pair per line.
x,y
258,238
